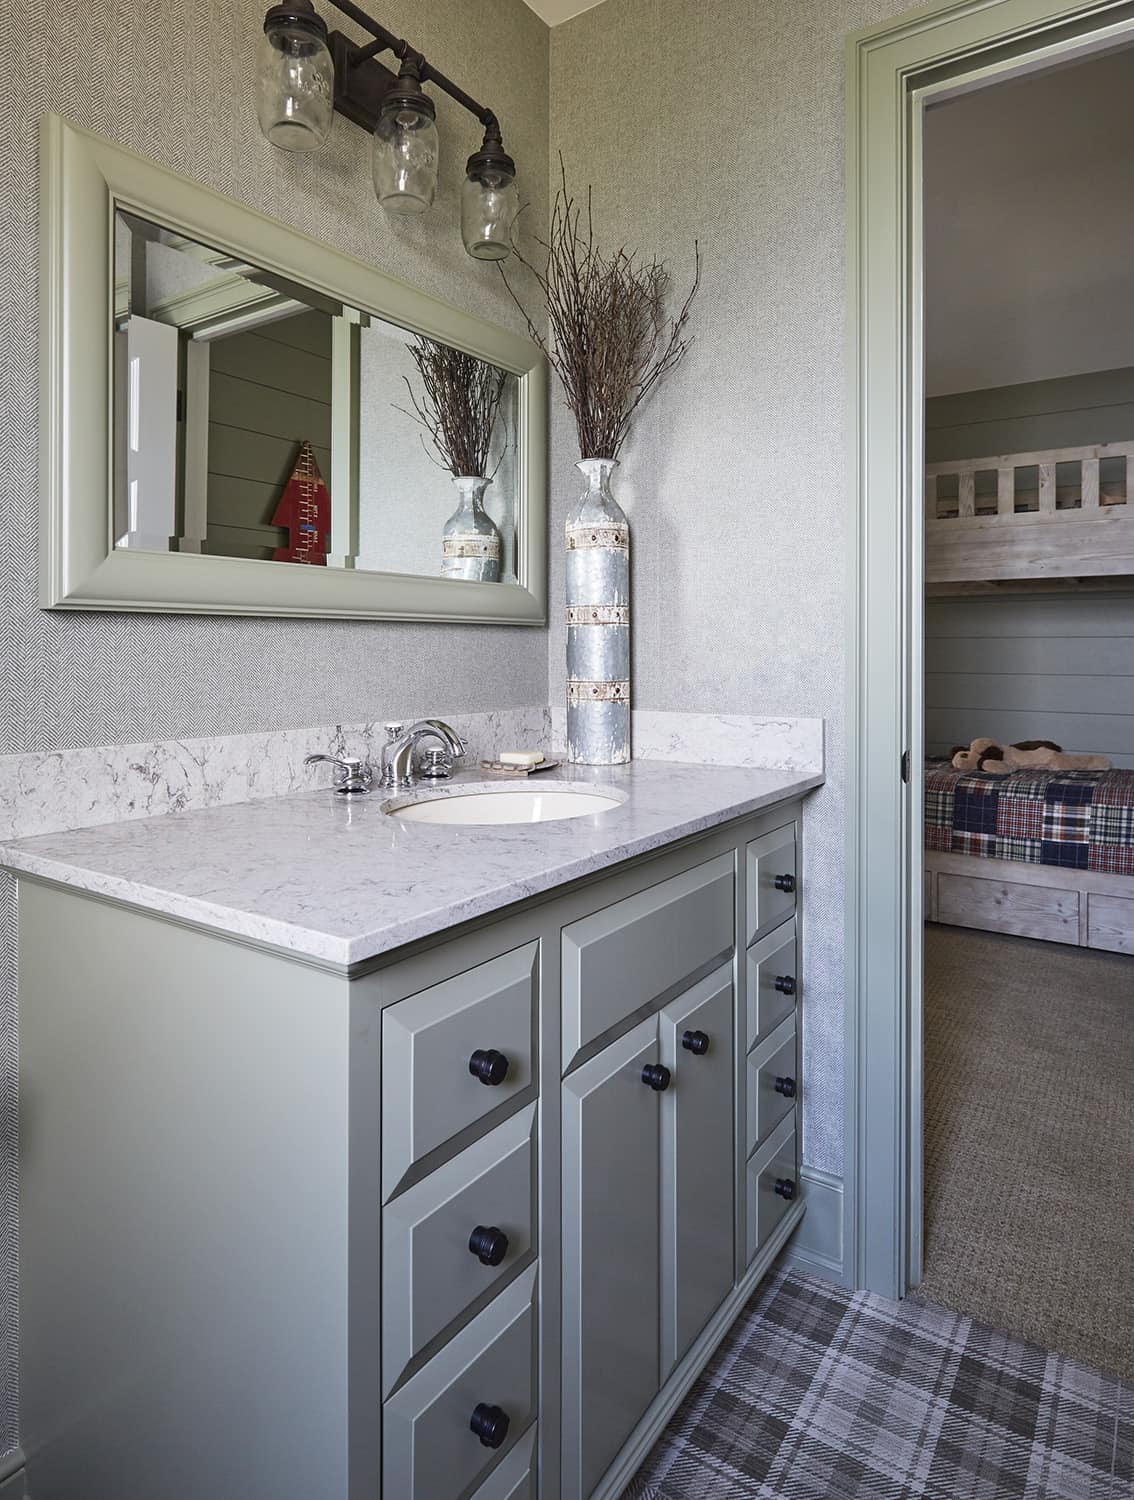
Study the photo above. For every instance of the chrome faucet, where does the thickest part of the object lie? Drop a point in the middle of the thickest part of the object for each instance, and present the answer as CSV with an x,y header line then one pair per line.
x,y
353,778
398,768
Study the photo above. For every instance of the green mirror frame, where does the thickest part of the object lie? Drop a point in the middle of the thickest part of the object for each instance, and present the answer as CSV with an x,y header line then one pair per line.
x,y
83,180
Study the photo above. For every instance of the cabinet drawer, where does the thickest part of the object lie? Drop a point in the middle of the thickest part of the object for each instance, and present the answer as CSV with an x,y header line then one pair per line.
x,y
430,1276
515,1478
1110,922
621,958
430,1452
430,1093
771,880
773,1062
773,981
773,1164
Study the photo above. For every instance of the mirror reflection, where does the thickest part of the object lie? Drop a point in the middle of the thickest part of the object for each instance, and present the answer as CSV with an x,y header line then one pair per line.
x,y
257,418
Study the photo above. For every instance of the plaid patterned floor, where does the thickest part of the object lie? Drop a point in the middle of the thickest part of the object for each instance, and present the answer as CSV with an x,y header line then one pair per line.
x,y
820,1394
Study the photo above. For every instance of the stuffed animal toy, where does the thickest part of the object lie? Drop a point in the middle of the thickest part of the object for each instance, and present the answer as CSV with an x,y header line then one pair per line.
x,y
968,757
1026,755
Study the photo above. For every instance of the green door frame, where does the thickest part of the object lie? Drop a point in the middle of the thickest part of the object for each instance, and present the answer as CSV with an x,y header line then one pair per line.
x,y
894,70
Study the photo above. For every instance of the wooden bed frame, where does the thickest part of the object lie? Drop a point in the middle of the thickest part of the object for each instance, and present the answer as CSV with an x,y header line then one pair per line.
x,y
1079,907
1004,528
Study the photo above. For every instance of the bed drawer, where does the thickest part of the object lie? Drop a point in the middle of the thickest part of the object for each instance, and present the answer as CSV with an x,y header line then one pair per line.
x,y
431,1274
1037,911
1110,922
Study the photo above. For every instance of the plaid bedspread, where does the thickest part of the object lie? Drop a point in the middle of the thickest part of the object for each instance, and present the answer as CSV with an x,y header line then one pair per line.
x,y
1079,820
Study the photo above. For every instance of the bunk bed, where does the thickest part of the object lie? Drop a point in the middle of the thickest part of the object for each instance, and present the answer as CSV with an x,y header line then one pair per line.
x,y
1054,517
1039,853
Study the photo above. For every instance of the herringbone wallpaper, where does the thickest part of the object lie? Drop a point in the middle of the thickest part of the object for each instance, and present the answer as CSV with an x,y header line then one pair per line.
x,y
174,81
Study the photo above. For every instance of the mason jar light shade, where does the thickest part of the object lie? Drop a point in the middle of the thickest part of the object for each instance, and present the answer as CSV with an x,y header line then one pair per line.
x,y
405,150
489,205
295,79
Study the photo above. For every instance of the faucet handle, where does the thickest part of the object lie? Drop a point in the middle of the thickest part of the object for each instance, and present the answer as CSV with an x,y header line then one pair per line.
x,y
353,778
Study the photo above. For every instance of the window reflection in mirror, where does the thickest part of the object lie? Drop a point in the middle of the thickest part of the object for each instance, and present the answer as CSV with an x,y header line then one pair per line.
x,y
256,418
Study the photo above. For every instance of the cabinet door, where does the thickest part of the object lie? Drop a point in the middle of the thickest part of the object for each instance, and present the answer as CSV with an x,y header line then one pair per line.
x,y
697,1163
610,1254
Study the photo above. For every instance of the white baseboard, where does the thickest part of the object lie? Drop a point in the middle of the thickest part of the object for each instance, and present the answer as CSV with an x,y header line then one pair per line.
x,y
817,1246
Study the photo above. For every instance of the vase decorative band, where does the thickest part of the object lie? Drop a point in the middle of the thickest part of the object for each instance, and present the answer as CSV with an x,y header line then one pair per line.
x,y
615,538
471,546
598,614
598,623
597,692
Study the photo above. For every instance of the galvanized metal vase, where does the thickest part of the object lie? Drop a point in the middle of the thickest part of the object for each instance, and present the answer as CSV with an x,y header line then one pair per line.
x,y
598,622
470,542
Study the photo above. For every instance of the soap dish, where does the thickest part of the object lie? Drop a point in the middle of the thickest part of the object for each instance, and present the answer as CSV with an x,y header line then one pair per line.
x,y
500,768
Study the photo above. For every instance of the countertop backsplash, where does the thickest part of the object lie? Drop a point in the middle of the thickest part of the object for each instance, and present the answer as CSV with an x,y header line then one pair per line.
x,y
53,791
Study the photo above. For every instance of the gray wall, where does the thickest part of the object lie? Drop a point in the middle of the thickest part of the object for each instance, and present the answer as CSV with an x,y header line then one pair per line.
x,y
175,82
1052,667
725,122
1066,413
1059,666
1029,214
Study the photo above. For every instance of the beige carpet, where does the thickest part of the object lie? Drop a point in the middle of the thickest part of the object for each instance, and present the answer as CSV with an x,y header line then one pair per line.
x,y
1029,1140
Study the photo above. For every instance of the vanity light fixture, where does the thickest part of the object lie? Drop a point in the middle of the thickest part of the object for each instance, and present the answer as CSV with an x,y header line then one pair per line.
x,y
304,73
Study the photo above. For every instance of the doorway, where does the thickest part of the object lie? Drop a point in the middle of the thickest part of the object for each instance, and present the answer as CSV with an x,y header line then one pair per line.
x,y
1028,1160
895,73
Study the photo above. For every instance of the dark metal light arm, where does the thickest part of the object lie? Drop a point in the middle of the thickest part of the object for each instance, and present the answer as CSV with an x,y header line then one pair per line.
x,y
359,96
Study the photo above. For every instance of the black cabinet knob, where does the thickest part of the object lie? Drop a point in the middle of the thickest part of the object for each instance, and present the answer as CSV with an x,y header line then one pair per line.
x,y
785,1187
784,883
785,983
656,1075
490,1066
488,1244
786,1087
489,1423
696,1042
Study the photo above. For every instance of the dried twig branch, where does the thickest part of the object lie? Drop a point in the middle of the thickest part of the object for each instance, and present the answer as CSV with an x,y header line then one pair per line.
x,y
458,406
610,341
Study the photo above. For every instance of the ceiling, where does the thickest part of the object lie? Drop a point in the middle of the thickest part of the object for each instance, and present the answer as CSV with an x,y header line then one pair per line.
x,y
554,11
1029,228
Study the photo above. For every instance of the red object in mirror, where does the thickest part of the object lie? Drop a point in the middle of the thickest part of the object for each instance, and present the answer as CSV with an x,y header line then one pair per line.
x,y
305,511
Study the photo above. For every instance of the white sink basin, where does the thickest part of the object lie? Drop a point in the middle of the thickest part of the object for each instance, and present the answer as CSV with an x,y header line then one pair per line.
x,y
497,805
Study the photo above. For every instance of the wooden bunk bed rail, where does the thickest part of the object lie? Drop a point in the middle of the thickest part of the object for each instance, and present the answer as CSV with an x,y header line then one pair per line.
x,y
1048,515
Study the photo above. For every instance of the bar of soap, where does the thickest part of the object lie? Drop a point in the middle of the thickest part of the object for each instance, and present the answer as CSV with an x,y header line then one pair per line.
x,y
520,757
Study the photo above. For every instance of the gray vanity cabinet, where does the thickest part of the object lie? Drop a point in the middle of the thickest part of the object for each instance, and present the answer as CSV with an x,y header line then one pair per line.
x,y
462,1222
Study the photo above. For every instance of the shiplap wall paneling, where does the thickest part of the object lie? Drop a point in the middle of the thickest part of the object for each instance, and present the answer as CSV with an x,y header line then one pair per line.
x,y
269,391
1045,667
1074,411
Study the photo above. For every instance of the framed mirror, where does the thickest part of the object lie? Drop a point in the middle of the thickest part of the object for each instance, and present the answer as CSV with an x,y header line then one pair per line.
x,y
238,419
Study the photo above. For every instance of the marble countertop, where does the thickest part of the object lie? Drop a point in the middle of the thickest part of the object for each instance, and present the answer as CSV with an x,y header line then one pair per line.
x,y
340,881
